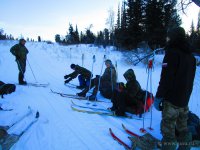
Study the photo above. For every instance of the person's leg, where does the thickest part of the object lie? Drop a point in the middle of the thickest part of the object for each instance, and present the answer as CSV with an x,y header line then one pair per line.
x,y
22,68
86,89
82,82
185,137
168,123
121,104
95,84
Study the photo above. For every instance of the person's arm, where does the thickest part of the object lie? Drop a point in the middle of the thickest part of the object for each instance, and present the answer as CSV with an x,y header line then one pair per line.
x,y
14,50
169,68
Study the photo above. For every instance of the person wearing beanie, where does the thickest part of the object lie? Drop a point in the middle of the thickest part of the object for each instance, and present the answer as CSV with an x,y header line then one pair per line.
x,y
20,52
174,90
84,76
130,98
107,83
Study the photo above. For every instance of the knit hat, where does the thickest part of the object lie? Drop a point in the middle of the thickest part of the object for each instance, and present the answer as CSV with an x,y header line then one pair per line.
x,y
176,33
108,61
21,40
129,74
72,66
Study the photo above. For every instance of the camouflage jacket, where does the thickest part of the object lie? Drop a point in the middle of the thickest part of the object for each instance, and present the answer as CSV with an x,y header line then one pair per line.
x,y
20,51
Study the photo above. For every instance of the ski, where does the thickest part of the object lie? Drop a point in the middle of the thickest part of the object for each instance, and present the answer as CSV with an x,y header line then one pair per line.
x,y
119,140
9,140
22,117
146,141
38,84
35,84
74,96
1,109
98,112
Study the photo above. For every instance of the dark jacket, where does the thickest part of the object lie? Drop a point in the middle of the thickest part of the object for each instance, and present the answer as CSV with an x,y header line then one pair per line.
x,y
20,51
109,78
133,88
80,70
178,72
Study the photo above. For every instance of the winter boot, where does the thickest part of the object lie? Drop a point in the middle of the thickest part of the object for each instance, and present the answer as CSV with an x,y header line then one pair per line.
x,y
80,87
20,78
92,97
83,93
119,113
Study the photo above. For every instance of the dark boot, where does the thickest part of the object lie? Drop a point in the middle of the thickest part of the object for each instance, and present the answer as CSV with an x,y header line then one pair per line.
x,y
80,87
92,97
119,113
21,79
83,93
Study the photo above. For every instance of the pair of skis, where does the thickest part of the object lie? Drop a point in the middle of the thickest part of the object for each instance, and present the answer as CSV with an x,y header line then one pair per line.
x,y
99,111
37,84
73,96
10,139
144,142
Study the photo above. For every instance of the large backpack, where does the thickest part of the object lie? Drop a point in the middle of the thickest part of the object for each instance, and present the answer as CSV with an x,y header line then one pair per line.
x,y
6,88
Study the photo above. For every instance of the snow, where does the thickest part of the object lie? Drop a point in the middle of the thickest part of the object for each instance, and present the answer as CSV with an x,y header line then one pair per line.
x,y
59,127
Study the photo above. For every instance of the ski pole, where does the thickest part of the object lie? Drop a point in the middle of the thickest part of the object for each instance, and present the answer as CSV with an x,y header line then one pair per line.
x,y
94,59
31,70
82,60
104,58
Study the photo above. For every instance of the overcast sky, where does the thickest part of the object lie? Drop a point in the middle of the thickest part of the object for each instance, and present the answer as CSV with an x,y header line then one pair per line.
x,y
46,18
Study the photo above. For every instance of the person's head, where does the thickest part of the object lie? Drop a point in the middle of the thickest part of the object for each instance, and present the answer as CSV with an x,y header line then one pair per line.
x,y
73,66
176,34
22,41
129,75
108,63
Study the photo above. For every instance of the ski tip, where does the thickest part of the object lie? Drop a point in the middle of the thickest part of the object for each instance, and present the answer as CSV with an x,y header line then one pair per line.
x,y
37,114
123,126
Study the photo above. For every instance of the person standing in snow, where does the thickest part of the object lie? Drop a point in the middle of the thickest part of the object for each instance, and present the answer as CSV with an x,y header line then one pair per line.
x,y
130,98
20,52
174,90
84,76
107,83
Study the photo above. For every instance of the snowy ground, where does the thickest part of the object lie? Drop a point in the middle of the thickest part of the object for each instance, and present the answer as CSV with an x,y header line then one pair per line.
x,y
59,127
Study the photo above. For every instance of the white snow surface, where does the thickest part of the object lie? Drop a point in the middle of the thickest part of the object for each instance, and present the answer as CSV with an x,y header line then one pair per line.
x,y
59,127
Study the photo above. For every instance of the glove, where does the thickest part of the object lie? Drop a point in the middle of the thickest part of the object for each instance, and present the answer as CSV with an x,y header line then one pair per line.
x,y
158,103
66,76
67,81
97,76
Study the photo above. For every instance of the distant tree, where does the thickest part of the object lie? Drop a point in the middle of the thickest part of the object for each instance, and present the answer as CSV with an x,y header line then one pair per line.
x,y
111,25
106,37
135,22
57,38
39,39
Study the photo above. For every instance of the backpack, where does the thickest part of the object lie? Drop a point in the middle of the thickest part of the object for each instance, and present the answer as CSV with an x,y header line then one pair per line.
x,y
194,125
6,88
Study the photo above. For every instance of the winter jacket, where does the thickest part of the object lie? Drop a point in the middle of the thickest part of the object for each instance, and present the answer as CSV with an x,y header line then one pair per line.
x,y
178,72
80,70
133,88
20,51
109,78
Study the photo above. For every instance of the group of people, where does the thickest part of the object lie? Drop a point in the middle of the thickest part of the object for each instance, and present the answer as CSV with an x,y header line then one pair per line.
x,y
172,96
129,97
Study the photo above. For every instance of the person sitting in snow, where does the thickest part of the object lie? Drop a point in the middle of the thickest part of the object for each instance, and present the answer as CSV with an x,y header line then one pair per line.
x,y
20,52
84,76
107,83
130,98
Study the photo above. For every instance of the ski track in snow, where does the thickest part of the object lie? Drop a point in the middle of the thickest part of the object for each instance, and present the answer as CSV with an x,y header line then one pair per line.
x,y
59,127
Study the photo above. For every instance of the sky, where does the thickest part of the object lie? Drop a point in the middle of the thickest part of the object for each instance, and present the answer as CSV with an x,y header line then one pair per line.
x,y
46,18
